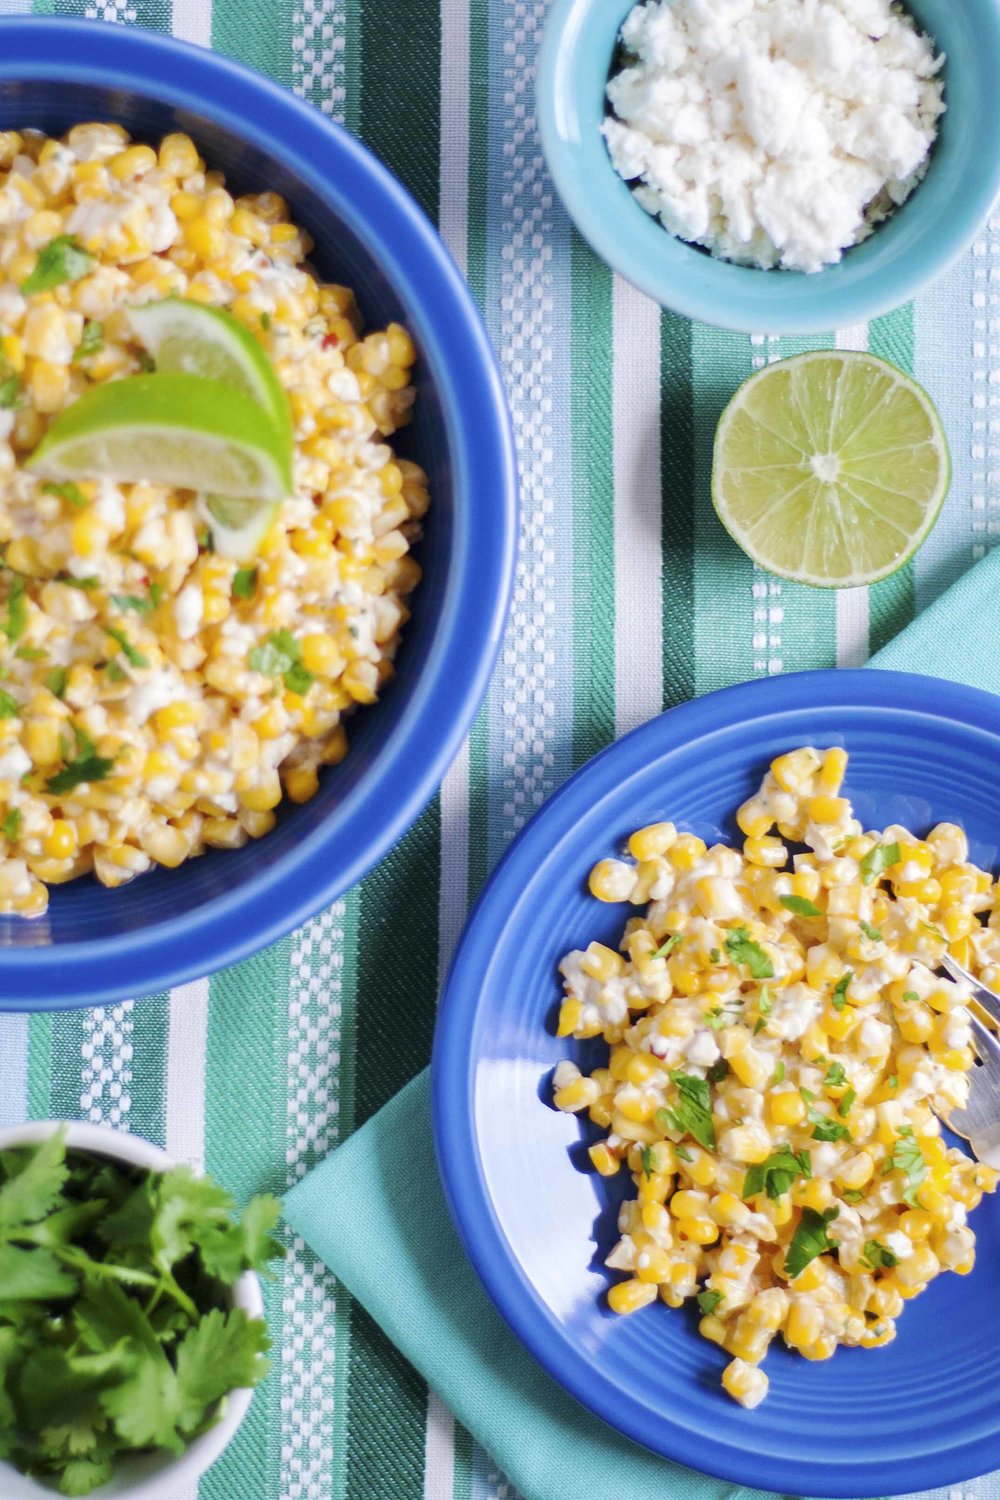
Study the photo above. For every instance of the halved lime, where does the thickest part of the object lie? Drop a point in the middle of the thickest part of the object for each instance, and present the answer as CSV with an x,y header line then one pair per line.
x,y
188,338
830,468
180,430
236,522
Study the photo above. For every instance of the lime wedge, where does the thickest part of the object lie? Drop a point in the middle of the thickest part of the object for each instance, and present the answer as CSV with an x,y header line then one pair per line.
x,y
830,468
188,338
236,522
180,430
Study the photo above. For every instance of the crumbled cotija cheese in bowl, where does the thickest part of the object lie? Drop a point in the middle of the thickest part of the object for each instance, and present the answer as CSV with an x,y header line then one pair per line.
x,y
773,132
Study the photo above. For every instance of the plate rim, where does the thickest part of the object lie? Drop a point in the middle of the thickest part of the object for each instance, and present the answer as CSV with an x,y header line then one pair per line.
x,y
460,1166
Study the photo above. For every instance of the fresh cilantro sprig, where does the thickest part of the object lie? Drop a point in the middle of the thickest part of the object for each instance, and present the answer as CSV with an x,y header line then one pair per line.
x,y
281,656
743,950
908,1159
875,863
839,996
878,1256
871,933
692,1114
776,1175
116,1333
811,1238
83,767
799,906
91,341
827,1129
61,260
709,1301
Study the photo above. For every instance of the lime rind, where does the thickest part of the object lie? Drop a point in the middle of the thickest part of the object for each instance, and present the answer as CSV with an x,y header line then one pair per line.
x,y
236,523
190,338
180,430
830,468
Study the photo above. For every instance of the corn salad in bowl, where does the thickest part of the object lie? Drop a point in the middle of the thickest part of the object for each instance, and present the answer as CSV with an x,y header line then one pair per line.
x,y
781,1053
158,697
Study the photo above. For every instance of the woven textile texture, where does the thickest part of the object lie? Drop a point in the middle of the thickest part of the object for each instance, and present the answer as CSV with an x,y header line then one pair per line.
x,y
629,598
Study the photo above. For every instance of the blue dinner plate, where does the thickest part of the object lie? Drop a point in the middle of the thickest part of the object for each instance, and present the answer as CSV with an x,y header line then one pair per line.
x,y
537,1223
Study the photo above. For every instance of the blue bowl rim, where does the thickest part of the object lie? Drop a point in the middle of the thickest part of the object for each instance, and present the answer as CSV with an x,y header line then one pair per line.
x,y
453,1071
840,309
481,572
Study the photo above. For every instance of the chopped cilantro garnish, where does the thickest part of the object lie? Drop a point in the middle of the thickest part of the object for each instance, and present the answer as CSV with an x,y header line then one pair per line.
x,y
12,823
10,391
244,583
835,1075
84,768
776,1175
893,1080
91,341
31,653
852,1195
717,1018
133,656
714,956
78,583
910,995
683,1153
844,1107
908,1158
743,950
935,931
115,672
709,1301
810,1239
878,1256
839,996
693,1111
800,906
718,1070
141,604
807,1095
779,1074
265,321
70,492
826,1129
281,656
871,933
878,860
8,706
62,259
17,610
765,1001
758,1026
667,946
56,681
647,1161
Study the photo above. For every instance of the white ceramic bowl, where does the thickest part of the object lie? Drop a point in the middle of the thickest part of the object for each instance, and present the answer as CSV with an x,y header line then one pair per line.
x,y
154,1476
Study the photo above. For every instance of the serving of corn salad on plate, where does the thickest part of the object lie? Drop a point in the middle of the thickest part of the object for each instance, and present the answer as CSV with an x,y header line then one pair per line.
x,y
727,1137
177,661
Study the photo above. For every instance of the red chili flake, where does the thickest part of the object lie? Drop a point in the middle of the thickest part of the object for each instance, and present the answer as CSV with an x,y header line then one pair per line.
x,y
330,341
317,497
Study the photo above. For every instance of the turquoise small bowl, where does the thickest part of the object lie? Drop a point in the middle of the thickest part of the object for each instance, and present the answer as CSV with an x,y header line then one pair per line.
x,y
910,249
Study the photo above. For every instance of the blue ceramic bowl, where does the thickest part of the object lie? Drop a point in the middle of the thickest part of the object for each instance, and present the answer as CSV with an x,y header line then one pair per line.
x,y
936,224
537,1222
96,945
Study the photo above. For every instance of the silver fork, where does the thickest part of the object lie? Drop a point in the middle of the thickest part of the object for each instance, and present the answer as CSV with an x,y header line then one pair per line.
x,y
979,1121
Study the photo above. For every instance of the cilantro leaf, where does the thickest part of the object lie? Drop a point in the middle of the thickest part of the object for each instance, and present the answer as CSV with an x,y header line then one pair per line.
x,y
224,1352
132,655
56,681
92,340
34,1182
8,706
34,1275
17,610
743,950
709,1301
908,1158
682,1152
826,1129
839,997
183,1202
776,1175
878,1256
693,1110
244,583
718,1070
878,860
83,769
835,1075
142,604
10,391
31,653
800,906
852,1195
810,1239
78,583
871,933
62,259
281,656
12,823
667,946
779,1074
847,1099
70,492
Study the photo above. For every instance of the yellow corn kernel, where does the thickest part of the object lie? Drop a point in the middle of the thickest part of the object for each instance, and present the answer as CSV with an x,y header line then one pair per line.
x,y
321,655
577,1095
265,795
206,239
957,923
132,163
655,839
178,155
41,740
787,1108
817,1194
856,1171
729,1210
653,1265
88,532
770,853
831,772
744,1383
22,556
919,1268
612,880
702,1168
61,840
825,809
701,1231
302,783
686,850
628,1296
749,1341
605,1161
176,715
164,843
793,771
602,963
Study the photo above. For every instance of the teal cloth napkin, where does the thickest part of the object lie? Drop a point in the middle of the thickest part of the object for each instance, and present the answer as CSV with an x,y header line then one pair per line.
x,y
377,1215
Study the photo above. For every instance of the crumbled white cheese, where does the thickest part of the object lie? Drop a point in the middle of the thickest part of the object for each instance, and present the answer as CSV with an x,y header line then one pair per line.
x,y
773,132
